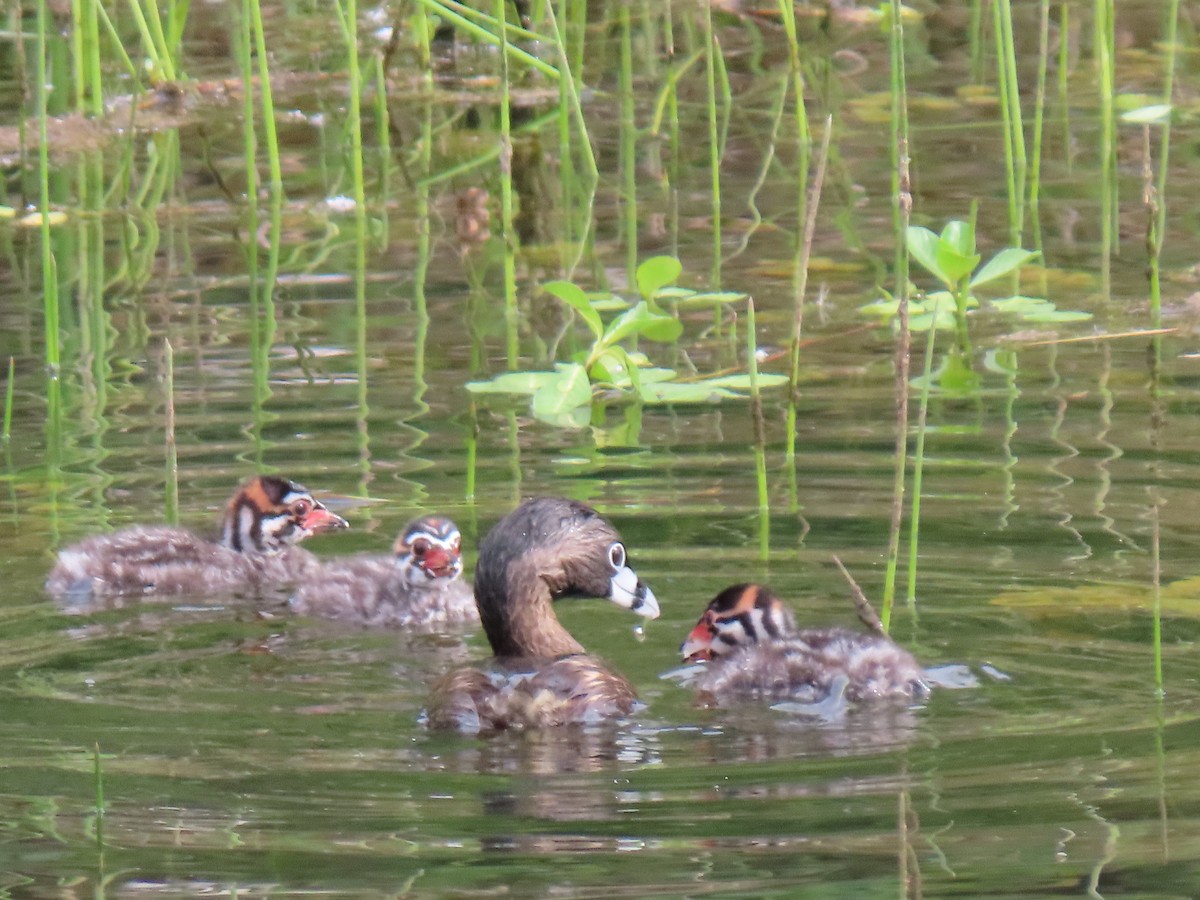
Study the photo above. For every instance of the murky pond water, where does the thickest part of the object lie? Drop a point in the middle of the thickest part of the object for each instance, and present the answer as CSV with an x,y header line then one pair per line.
x,y
244,749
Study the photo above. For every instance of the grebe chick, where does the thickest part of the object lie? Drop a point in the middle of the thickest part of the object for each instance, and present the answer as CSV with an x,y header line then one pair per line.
x,y
419,586
546,549
753,650
263,521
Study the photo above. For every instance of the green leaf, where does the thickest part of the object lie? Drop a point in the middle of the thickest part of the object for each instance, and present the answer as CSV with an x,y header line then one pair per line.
x,y
742,382
663,329
1021,306
1002,362
885,309
1056,315
922,246
959,236
1155,114
608,368
655,273
573,296
954,263
1001,264
924,321
694,392
641,320
512,383
567,391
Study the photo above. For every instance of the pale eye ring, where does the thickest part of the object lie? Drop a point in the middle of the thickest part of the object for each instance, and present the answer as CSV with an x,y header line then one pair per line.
x,y
616,555
420,547
301,508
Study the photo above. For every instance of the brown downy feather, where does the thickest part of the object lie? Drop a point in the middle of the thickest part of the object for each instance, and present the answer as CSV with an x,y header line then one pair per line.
x,y
417,588
266,512
753,650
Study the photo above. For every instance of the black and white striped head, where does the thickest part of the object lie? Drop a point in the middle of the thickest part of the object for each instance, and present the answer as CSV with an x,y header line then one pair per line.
x,y
740,615
429,549
270,514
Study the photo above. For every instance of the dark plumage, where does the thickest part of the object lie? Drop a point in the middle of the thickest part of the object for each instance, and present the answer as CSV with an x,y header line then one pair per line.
x,y
546,549
753,649
263,522
418,587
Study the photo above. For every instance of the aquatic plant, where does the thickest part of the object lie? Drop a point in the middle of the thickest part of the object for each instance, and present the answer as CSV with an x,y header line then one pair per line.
x,y
951,258
564,396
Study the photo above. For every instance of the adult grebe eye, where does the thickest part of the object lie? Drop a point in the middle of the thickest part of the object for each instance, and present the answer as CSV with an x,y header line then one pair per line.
x,y
420,547
616,555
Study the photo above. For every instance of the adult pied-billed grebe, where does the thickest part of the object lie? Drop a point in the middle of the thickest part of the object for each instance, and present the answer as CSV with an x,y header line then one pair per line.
x,y
754,650
546,549
419,586
263,522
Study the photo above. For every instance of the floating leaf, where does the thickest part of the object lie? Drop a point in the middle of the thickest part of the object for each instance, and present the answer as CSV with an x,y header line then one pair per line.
x,y
656,273
682,298
742,382
1020,305
924,321
568,390
1155,114
885,309
1001,264
512,383
1056,315
34,219
574,297
696,392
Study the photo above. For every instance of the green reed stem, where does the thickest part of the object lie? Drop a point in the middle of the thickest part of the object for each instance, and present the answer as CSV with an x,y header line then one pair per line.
x,y
98,780
249,138
975,41
267,100
760,434
1105,48
1164,153
1156,576
568,83
628,163
6,435
714,144
383,138
498,38
1014,130
1063,82
172,452
566,166
1039,108
79,81
914,513
673,136
154,43
901,213
50,304
506,195
115,42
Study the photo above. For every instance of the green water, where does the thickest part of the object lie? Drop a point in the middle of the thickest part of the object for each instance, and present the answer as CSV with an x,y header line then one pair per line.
x,y
245,750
